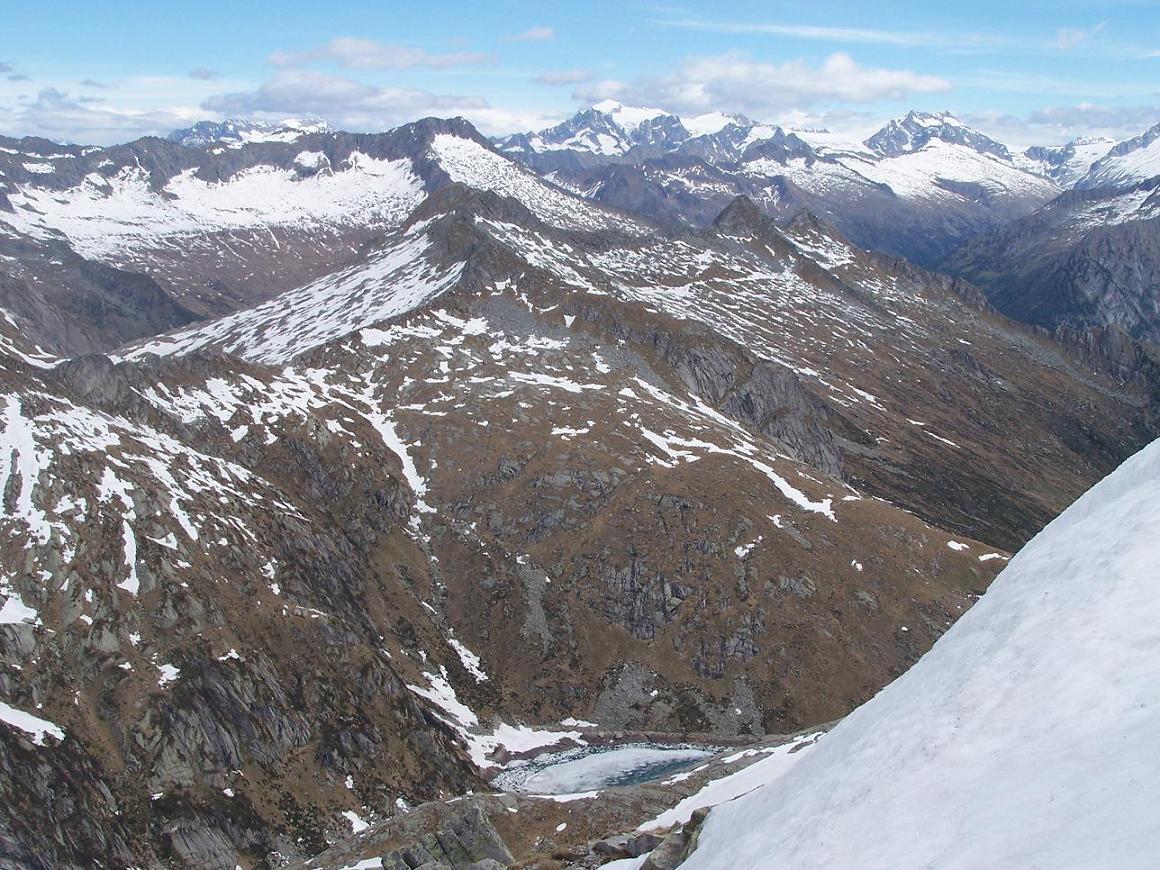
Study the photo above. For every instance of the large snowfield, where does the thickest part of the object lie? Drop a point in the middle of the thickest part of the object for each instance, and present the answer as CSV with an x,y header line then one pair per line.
x,y
1028,737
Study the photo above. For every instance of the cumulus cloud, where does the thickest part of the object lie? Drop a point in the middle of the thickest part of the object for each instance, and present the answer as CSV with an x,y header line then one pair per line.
x,y
356,53
533,34
353,105
93,83
58,115
204,74
734,82
565,76
606,89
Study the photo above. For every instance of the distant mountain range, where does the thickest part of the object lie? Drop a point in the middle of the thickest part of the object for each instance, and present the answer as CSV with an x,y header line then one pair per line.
x,y
235,133
919,187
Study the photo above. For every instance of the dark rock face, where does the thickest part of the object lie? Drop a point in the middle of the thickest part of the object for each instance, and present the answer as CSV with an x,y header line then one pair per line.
x,y
467,843
58,808
270,692
67,303
1073,265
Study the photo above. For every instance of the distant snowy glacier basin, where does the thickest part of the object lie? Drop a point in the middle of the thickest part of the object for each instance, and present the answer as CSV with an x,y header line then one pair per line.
x,y
592,768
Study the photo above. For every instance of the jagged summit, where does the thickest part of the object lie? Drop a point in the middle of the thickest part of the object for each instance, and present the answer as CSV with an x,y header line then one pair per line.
x,y
916,130
741,213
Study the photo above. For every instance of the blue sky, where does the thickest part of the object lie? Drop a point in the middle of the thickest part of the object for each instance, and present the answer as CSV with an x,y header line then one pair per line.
x,y
1026,72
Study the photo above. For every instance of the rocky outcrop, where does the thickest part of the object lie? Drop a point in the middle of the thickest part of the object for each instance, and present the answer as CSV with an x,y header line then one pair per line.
x,y
467,843
672,851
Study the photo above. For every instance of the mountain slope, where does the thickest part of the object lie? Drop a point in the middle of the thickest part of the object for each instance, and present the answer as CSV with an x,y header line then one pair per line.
x,y
467,481
1127,163
164,606
1023,738
814,314
1090,258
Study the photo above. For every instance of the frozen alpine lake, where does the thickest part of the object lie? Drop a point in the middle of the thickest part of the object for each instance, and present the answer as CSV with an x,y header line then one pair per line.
x,y
592,768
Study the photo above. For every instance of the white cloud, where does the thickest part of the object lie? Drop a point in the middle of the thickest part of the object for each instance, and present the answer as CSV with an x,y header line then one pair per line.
x,y
357,53
565,76
58,115
607,89
734,82
352,105
536,33
1069,37
1054,125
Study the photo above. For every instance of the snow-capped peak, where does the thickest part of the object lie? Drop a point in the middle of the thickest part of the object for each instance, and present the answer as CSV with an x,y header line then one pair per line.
x,y
916,130
933,119
628,118
236,132
712,122
1068,163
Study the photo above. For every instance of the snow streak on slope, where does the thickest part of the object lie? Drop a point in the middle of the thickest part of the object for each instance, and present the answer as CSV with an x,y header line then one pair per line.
x,y
1025,738
394,280
1139,203
72,468
104,218
469,162
753,297
917,175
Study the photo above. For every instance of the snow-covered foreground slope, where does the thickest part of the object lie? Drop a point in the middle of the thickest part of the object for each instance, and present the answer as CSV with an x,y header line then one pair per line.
x,y
1026,737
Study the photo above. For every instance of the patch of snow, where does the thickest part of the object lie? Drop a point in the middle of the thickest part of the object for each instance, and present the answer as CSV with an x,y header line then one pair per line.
x,y
357,823
29,724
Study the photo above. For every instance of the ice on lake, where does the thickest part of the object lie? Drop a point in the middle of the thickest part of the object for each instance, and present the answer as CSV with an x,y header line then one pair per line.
x,y
592,768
